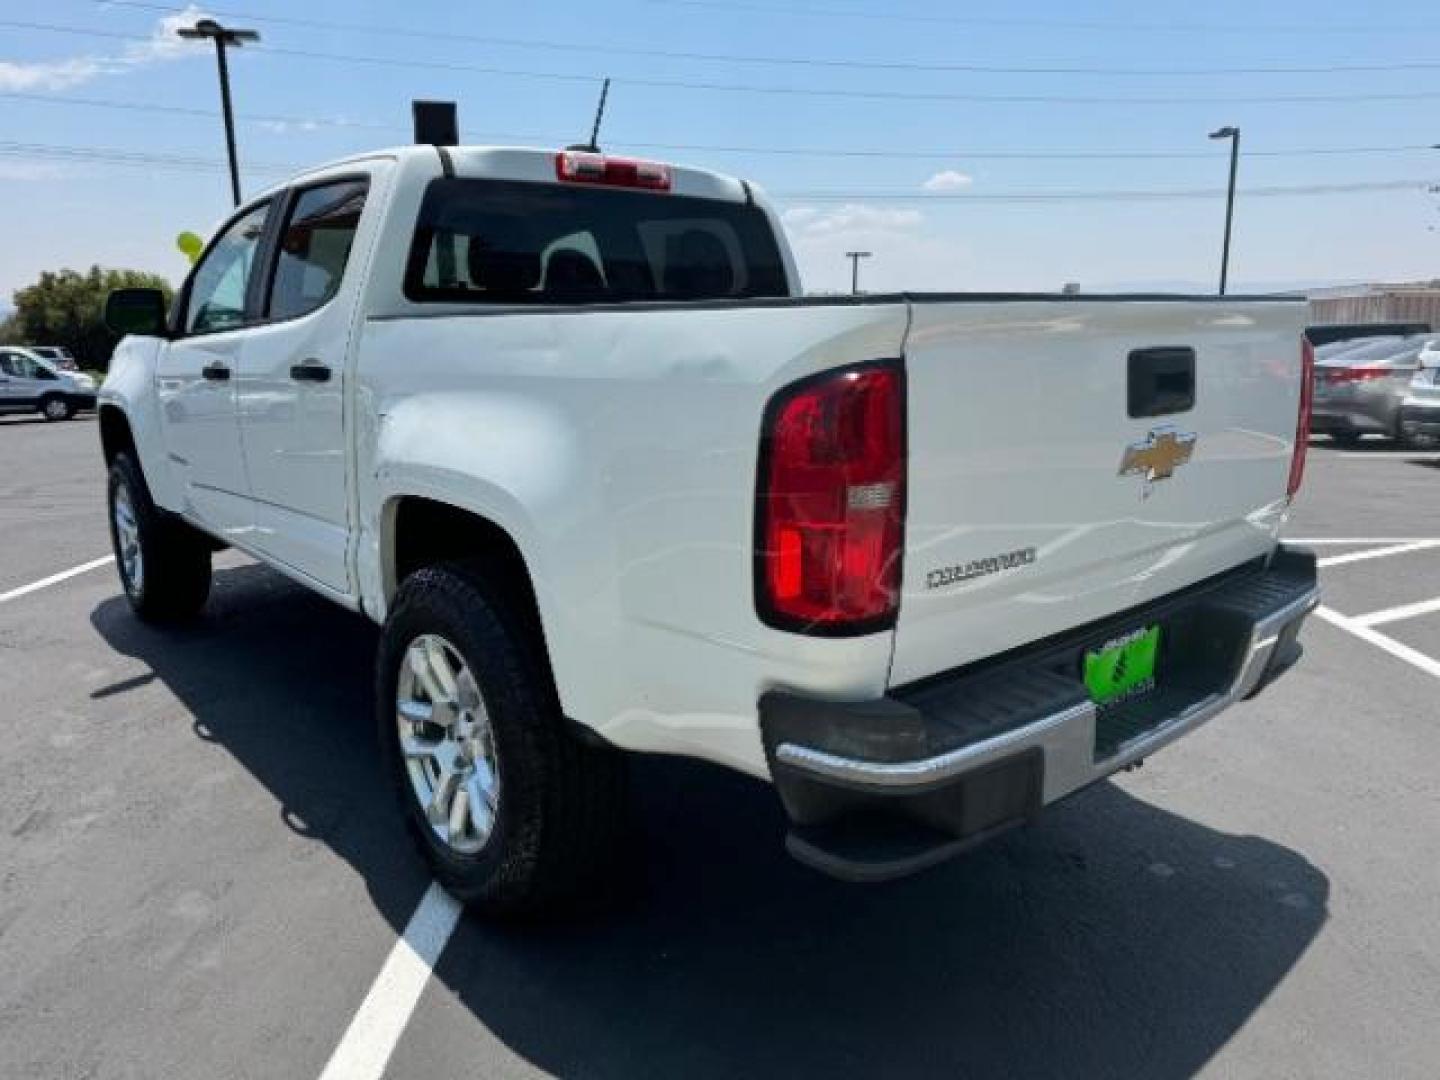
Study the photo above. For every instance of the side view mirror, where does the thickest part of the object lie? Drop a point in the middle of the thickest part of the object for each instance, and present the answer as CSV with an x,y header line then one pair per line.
x,y
136,311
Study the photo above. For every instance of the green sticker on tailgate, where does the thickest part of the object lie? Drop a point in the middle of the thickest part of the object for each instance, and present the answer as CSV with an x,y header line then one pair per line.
x,y
1123,667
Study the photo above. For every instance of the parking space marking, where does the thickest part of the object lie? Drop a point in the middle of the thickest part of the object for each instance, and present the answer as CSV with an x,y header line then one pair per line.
x,y
365,1048
1395,614
1397,649
55,579
1380,553
1317,541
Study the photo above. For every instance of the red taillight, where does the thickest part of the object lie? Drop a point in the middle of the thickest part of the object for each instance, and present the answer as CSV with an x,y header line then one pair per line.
x,y
830,502
1357,374
583,167
1302,424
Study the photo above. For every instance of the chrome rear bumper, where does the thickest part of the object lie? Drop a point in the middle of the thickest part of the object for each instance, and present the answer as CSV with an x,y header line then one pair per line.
x,y
977,750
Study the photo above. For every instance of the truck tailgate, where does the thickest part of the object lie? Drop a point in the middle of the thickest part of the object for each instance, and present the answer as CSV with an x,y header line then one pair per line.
x,y
1020,523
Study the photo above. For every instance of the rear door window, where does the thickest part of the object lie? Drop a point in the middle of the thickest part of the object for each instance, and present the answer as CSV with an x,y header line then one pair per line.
x,y
494,241
315,246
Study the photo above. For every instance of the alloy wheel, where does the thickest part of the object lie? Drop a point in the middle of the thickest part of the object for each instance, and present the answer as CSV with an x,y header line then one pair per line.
x,y
127,541
447,744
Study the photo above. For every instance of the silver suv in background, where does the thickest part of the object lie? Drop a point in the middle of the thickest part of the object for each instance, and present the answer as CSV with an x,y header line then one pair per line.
x,y
1360,384
1420,411
58,355
30,383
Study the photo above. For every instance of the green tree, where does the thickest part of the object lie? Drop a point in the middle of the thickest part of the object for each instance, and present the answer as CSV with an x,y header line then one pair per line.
x,y
67,308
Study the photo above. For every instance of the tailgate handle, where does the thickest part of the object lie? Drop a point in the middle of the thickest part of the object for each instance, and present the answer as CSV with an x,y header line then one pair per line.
x,y
1162,380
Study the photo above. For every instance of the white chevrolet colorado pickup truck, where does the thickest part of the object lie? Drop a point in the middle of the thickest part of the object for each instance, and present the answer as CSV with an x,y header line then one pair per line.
x,y
565,425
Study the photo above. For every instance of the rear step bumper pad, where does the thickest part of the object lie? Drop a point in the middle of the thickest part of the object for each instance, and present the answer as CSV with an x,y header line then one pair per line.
x,y
878,789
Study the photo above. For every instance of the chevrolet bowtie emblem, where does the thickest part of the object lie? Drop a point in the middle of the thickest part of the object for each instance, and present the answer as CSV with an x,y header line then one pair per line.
x,y
1156,458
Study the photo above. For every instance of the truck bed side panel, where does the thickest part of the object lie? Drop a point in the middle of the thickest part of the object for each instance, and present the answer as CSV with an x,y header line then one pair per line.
x,y
619,450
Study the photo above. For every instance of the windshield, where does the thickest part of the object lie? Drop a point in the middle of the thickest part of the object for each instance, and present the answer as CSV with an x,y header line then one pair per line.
x,y
508,242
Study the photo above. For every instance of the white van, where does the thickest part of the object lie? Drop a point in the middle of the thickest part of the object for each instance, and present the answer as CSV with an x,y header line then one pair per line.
x,y
30,383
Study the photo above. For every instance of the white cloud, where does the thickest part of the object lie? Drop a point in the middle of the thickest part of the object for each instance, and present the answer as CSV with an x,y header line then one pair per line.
x,y
288,127
948,180
49,74
162,45
24,170
812,221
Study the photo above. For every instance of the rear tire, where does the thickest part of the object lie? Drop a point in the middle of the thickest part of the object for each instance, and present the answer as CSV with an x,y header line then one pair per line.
x,y
1401,440
54,407
164,564
554,807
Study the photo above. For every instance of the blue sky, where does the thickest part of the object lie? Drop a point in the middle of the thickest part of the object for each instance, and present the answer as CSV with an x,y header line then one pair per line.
x,y
1149,78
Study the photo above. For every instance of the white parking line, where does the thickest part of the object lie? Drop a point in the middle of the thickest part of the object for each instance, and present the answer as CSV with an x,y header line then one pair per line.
x,y
55,579
368,1042
1317,541
1395,614
1379,553
1397,649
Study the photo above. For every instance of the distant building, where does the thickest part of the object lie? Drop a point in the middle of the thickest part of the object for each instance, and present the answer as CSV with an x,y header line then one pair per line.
x,y
1416,302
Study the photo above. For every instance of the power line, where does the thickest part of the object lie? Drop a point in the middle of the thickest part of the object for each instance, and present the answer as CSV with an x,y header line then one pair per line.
x,y
838,93
611,50
1140,195
1243,26
116,156
881,153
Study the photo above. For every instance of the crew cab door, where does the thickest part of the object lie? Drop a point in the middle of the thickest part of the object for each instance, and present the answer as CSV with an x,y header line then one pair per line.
x,y
291,382
195,376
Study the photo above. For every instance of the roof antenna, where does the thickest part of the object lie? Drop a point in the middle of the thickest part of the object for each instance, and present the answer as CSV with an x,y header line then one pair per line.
x,y
593,146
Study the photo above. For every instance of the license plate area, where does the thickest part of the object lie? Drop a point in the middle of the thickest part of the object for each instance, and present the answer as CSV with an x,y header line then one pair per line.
x,y
1122,668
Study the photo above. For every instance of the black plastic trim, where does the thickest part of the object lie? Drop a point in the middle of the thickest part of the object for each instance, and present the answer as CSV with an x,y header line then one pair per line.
x,y
1160,381
477,309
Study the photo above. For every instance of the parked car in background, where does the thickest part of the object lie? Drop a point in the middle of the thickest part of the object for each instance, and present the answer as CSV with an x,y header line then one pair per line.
x,y
30,383
1358,390
58,355
1335,349
1420,411
1330,333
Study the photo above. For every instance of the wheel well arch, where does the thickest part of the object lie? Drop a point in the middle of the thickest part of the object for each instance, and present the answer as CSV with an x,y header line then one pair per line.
x,y
422,532
115,434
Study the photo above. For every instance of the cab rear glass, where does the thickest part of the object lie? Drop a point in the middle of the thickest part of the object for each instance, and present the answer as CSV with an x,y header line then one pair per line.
x,y
514,242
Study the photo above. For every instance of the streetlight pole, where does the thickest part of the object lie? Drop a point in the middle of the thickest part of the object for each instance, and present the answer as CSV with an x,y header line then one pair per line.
x,y
1233,134
223,36
855,257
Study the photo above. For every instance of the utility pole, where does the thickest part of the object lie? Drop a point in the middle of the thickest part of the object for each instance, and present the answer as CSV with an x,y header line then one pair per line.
x,y
855,257
223,36
1233,134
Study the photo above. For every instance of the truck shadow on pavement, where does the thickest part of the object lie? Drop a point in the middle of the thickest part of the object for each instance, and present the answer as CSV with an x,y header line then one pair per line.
x,y
1112,938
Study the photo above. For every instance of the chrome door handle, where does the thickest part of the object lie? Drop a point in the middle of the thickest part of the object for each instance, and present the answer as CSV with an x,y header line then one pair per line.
x,y
310,371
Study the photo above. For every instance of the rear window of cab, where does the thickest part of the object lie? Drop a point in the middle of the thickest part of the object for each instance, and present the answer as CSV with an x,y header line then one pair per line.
x,y
515,242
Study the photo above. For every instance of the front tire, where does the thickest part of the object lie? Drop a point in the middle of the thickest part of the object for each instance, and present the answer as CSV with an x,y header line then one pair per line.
x,y
515,815
164,564
55,407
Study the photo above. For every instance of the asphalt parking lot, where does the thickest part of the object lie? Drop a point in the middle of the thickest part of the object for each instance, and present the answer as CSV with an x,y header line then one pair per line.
x,y
201,874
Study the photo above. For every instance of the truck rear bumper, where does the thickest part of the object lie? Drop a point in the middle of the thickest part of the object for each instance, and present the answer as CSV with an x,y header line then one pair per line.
x,y
878,789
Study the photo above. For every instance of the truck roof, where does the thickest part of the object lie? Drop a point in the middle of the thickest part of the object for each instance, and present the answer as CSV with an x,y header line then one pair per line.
x,y
535,164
